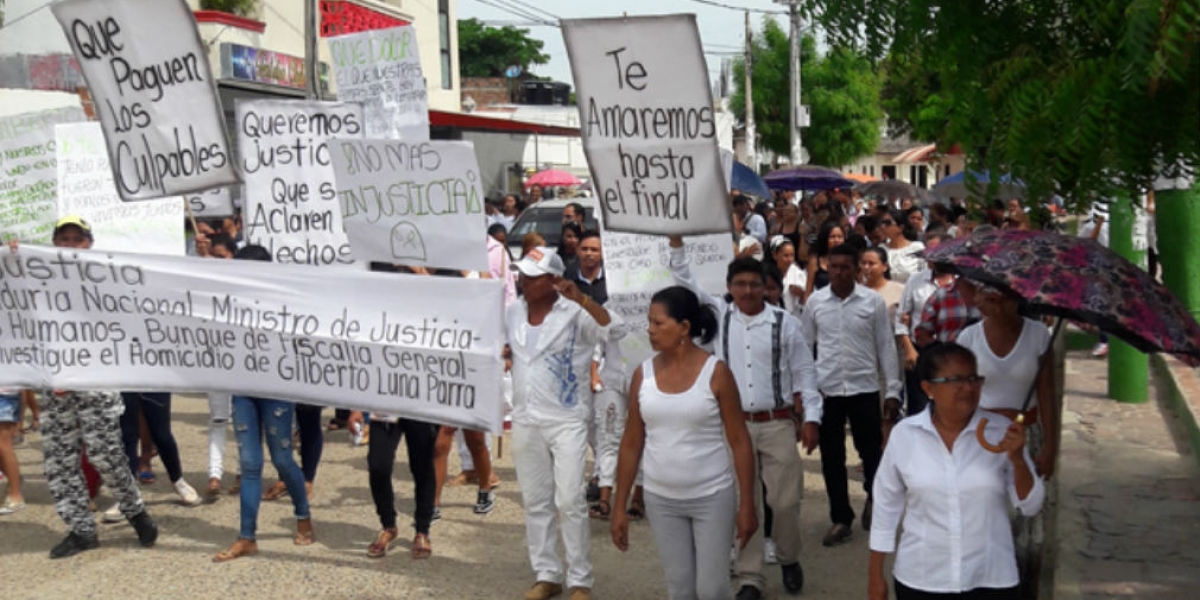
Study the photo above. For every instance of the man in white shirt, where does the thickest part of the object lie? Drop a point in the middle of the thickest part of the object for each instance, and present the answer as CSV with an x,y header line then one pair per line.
x,y
753,223
854,340
552,332
766,350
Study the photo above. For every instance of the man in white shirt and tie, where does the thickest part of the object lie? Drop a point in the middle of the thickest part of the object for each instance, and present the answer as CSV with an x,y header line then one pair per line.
x,y
854,341
766,350
552,332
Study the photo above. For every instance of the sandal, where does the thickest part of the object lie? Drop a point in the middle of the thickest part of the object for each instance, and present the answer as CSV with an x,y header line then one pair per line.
x,y
421,547
276,492
240,548
601,510
302,537
147,477
387,538
637,510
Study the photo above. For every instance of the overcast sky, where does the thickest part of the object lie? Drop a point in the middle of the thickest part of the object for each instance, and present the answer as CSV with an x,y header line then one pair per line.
x,y
721,30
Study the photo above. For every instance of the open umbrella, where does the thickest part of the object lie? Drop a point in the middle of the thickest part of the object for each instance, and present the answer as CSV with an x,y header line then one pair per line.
x,y
893,189
807,178
746,181
956,186
552,178
1078,279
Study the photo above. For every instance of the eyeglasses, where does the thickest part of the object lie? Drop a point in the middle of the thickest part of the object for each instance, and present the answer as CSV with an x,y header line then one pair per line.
x,y
960,381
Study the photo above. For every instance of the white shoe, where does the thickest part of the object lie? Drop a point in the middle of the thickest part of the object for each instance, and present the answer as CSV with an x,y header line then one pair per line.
x,y
769,552
1100,351
113,514
187,494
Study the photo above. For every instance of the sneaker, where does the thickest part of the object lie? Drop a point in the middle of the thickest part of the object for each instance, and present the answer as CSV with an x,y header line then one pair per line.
x,y
74,544
770,552
113,514
12,507
1100,351
147,531
837,534
187,494
485,502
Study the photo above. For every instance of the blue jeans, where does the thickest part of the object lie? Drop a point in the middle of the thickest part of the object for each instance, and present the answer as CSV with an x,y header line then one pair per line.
x,y
252,418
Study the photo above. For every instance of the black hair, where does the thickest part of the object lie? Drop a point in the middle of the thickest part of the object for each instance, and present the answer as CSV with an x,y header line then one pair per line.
x,y
251,252
858,242
883,258
936,355
772,273
869,223
383,267
575,207
682,304
942,210
823,248
762,208
496,228
573,226
845,250
588,233
743,265
935,231
224,239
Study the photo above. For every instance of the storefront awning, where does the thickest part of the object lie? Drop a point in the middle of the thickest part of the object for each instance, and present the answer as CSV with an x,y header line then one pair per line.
x,y
915,155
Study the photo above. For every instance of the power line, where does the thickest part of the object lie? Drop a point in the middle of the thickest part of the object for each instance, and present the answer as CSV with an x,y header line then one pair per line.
x,y
517,12
536,9
765,11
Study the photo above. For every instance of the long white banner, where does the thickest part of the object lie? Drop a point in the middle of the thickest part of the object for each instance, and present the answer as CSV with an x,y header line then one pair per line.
x,y
149,77
423,347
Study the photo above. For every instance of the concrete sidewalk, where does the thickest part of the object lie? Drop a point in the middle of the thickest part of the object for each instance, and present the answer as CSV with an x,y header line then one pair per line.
x,y
1128,520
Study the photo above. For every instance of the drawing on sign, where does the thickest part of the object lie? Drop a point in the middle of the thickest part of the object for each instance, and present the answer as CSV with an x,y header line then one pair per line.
x,y
648,124
148,74
407,242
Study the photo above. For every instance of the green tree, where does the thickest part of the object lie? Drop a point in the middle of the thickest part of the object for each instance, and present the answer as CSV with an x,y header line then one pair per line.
x,y
1078,97
242,8
841,89
487,51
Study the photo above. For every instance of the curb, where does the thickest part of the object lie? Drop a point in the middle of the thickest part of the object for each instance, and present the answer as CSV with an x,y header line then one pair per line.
x,y
1184,395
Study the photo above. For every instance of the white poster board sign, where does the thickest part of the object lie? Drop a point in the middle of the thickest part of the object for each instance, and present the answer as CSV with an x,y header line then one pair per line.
x,y
412,203
210,204
427,348
291,206
85,188
149,77
381,69
648,124
28,173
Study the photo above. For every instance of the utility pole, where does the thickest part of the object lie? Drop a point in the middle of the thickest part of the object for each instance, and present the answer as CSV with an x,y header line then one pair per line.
x,y
751,133
1128,367
797,146
311,60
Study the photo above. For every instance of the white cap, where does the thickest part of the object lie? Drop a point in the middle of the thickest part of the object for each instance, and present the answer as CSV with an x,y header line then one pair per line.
x,y
541,261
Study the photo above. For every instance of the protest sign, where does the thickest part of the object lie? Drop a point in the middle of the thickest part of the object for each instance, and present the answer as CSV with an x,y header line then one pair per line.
x,y
214,203
85,188
649,130
148,74
381,69
427,348
412,203
291,207
28,173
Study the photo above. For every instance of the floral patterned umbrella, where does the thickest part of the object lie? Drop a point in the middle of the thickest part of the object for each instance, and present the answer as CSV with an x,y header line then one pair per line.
x,y
1078,279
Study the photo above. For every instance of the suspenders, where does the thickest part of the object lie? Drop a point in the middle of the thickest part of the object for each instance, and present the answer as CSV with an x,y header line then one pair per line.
x,y
776,351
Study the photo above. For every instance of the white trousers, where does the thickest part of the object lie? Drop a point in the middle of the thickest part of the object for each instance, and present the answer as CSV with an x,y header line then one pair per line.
x,y
220,415
550,460
607,428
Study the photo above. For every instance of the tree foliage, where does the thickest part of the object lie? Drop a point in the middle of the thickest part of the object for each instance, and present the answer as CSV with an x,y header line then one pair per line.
x,y
841,89
241,8
1078,97
487,51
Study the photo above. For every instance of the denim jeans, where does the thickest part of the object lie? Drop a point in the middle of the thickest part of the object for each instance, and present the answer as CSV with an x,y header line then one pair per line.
x,y
156,406
252,418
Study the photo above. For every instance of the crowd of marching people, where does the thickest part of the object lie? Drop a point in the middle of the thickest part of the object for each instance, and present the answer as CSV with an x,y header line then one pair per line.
x,y
831,320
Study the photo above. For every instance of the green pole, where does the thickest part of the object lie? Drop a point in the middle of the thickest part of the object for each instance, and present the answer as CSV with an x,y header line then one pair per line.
x,y
1128,368
1178,223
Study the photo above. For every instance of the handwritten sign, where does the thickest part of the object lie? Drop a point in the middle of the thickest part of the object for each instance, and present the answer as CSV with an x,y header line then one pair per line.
x,y
28,173
291,205
412,203
423,347
85,188
149,77
649,129
214,203
381,69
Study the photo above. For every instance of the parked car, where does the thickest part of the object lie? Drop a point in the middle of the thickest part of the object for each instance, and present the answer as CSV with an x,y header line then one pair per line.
x,y
545,218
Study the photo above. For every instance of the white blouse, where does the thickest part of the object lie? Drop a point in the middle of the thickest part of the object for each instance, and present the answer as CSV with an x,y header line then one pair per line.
x,y
953,506
905,262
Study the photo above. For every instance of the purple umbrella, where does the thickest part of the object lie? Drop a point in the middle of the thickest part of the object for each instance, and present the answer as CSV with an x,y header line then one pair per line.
x,y
807,178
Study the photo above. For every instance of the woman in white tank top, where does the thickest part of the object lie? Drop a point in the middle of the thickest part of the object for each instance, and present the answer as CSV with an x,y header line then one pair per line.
x,y
685,420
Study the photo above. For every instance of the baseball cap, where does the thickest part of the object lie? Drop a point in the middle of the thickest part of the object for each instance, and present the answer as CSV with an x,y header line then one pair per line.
x,y
541,261
75,220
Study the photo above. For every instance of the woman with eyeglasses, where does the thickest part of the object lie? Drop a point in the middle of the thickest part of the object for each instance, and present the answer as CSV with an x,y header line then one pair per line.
x,y
950,494
904,252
